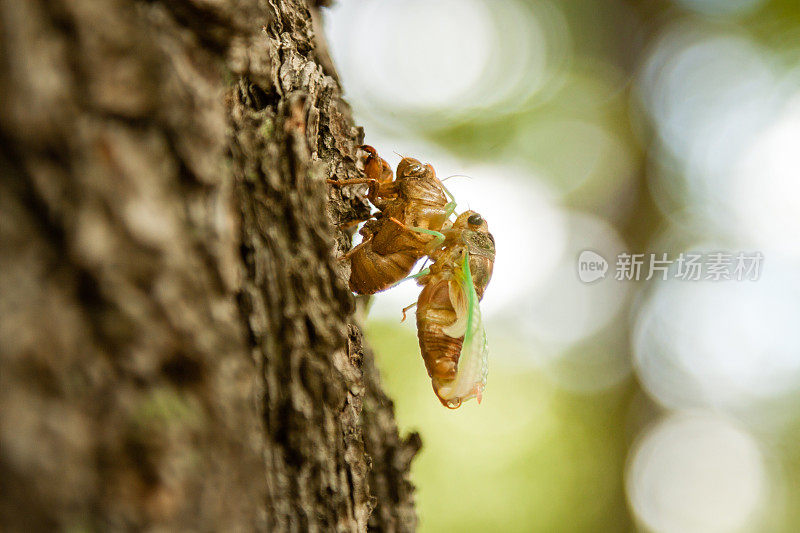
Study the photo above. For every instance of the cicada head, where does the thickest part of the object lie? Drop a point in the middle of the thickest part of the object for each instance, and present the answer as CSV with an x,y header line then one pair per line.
x,y
474,232
412,168
375,167
480,245
471,220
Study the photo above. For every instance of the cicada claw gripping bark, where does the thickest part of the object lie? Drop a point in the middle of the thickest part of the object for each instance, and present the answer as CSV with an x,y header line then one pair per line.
x,y
414,221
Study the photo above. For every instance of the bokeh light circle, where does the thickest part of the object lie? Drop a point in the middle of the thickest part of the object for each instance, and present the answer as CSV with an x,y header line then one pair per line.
x,y
765,186
564,309
572,329
415,59
696,473
720,344
706,93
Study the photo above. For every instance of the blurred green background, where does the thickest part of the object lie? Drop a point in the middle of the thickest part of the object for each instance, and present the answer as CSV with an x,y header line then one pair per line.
x,y
657,126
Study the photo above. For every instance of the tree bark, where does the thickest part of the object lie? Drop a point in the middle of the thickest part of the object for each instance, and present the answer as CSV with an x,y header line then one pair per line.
x,y
178,348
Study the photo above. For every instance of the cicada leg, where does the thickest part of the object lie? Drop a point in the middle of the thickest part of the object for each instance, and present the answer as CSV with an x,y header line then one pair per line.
x,y
450,206
406,309
449,209
438,237
423,272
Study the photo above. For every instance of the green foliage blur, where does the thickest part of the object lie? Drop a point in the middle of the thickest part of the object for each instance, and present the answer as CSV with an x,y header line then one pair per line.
x,y
531,457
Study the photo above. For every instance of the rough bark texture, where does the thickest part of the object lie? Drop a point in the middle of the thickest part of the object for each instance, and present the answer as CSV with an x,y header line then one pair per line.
x,y
177,342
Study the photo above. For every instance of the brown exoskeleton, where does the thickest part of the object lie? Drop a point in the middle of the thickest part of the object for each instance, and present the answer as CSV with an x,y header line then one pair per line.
x,y
412,222
451,335
413,208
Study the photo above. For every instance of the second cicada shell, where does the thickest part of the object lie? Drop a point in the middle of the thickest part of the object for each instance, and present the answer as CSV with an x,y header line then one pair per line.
x,y
413,207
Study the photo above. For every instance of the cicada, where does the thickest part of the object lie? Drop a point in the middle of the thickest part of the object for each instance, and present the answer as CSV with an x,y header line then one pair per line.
x,y
413,221
451,335
413,207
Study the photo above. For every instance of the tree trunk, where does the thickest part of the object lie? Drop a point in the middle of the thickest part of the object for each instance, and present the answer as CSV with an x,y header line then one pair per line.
x,y
177,343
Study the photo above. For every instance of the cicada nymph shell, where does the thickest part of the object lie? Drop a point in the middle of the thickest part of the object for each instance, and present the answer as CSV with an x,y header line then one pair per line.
x,y
416,199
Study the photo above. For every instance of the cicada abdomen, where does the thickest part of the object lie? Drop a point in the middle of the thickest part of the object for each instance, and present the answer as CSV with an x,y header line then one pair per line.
x,y
440,351
386,256
372,272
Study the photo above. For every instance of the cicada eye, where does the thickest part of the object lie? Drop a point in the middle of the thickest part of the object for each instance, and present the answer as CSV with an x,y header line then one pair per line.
x,y
475,220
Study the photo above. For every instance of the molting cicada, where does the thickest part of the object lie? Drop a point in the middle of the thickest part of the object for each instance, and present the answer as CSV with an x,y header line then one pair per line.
x,y
413,221
449,326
